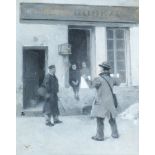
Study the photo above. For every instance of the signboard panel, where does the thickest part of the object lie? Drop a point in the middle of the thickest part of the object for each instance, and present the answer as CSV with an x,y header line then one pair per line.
x,y
68,12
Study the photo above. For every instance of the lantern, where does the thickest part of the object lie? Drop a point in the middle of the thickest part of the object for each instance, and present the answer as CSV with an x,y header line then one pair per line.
x,y
64,49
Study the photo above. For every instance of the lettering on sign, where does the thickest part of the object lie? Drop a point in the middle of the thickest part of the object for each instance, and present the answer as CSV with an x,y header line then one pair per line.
x,y
42,11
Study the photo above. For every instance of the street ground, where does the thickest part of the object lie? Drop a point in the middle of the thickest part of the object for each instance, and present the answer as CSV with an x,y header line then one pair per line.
x,y
73,137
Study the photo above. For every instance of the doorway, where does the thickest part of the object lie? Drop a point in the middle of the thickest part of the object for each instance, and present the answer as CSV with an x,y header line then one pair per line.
x,y
34,64
80,46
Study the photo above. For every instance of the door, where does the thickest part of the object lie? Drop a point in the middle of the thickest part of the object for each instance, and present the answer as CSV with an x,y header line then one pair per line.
x,y
30,76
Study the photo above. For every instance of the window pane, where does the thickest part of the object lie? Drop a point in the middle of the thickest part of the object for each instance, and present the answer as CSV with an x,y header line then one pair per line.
x,y
120,44
122,75
110,44
120,55
120,34
110,34
120,65
112,66
110,55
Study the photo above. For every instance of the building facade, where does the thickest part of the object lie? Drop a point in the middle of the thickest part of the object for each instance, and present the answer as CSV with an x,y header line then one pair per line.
x,y
96,30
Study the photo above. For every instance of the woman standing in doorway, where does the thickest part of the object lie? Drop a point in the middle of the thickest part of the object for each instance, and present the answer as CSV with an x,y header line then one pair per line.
x,y
74,80
84,69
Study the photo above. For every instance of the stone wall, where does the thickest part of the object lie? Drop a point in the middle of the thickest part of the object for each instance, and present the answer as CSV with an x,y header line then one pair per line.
x,y
68,105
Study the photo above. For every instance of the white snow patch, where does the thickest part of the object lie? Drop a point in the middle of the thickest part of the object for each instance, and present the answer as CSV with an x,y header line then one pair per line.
x,y
131,113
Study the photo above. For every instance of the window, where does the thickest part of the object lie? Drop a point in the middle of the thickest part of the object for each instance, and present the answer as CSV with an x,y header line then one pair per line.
x,y
116,51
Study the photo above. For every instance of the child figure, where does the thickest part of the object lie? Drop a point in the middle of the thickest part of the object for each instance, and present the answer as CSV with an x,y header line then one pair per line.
x,y
74,80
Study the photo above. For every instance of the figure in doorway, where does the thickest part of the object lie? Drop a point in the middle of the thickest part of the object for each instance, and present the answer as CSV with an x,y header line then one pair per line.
x,y
104,104
50,107
84,71
74,80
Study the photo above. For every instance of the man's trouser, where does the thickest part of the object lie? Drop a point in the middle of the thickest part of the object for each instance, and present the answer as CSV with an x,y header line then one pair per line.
x,y
100,127
48,118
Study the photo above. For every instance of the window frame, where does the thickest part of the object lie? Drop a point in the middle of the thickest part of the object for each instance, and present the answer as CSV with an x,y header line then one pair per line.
x,y
126,52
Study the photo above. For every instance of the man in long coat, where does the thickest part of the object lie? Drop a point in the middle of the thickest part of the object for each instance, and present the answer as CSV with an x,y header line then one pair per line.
x,y
50,107
104,102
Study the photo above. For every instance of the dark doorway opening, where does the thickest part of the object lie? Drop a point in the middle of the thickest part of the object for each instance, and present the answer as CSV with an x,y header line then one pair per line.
x,y
80,46
33,74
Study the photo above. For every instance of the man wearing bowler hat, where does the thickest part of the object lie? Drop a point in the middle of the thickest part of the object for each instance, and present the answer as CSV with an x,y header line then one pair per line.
x,y
50,107
104,105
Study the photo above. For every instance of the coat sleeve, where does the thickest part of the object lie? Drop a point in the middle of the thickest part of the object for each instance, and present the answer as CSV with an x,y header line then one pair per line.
x,y
46,83
70,77
79,76
96,83
57,86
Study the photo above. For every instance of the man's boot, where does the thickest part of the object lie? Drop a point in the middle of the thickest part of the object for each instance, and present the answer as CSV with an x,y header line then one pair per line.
x,y
56,120
49,124
48,120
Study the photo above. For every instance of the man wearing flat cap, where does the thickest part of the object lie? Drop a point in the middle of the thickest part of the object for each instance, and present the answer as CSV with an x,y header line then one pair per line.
x,y
50,107
104,103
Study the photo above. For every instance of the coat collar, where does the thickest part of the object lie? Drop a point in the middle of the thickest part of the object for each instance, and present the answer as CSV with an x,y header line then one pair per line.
x,y
104,74
51,75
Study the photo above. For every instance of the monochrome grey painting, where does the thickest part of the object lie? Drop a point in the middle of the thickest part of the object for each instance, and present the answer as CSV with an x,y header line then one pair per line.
x,y
77,77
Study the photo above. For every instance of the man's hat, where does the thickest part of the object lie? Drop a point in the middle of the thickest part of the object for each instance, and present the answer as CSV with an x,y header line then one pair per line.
x,y
51,66
105,65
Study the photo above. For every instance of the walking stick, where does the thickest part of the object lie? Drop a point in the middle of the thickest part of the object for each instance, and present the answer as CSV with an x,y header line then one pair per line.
x,y
61,104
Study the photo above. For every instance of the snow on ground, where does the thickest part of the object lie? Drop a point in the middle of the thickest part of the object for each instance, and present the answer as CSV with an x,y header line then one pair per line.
x,y
131,113
73,137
